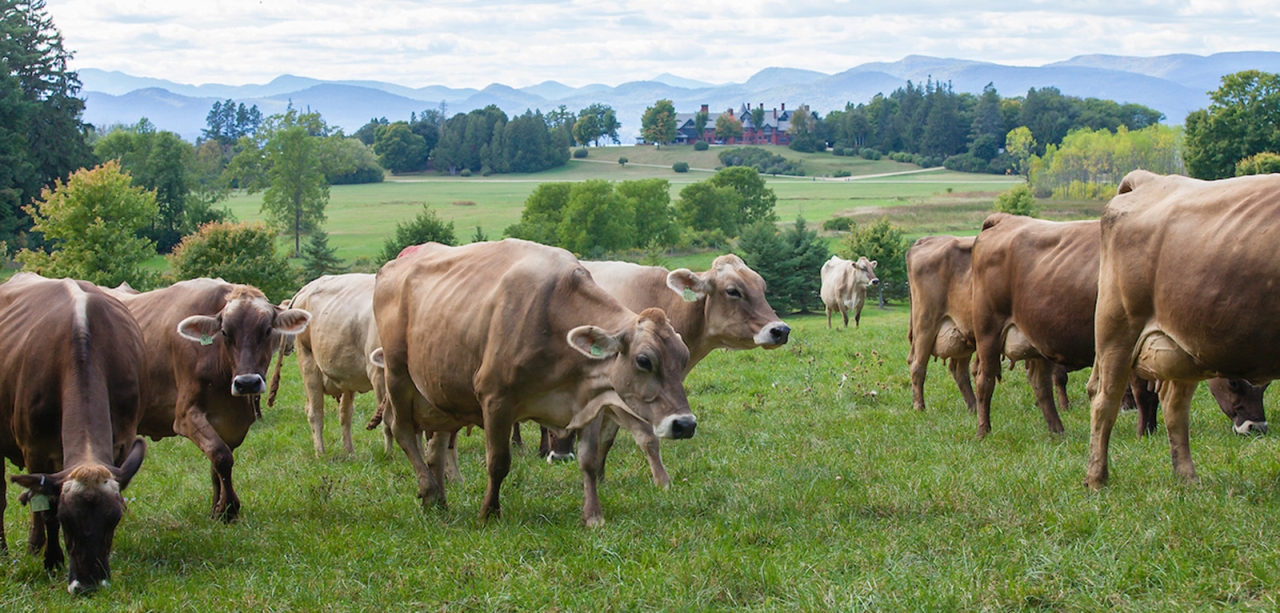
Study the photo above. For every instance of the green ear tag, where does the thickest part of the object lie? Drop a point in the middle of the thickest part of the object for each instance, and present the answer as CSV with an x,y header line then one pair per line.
x,y
597,351
689,296
205,339
39,502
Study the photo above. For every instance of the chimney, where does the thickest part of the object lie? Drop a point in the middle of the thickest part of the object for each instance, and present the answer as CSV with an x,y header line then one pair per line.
x,y
784,107
775,112
704,108
761,106
731,111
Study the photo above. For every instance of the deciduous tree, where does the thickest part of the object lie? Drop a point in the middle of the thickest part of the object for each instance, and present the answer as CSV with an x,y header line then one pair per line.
x,y
1243,119
237,253
658,124
728,126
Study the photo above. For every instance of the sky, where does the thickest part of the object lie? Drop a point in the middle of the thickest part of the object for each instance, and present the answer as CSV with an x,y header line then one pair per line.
x,y
577,42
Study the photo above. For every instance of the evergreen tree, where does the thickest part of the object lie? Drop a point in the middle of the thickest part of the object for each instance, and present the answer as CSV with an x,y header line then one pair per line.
x,y
807,254
319,259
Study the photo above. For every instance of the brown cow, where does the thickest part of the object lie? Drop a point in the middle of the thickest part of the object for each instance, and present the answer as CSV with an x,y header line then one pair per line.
x,y
491,333
1185,293
722,308
209,344
70,375
939,280
844,287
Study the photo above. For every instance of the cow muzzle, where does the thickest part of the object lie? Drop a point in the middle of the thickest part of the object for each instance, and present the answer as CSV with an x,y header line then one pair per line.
x,y
75,588
874,282
677,426
248,385
773,335
1250,426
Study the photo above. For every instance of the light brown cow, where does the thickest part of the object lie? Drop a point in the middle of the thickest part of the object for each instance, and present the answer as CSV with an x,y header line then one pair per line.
x,y
722,308
71,362
939,279
491,333
1186,291
209,344
333,352
844,287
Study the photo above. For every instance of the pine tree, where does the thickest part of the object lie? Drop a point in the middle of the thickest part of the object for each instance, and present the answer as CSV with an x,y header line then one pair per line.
x,y
319,259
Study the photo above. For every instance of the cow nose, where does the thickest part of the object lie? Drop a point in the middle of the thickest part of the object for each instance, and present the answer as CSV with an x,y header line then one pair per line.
x,y
1260,427
875,282
683,427
780,333
247,385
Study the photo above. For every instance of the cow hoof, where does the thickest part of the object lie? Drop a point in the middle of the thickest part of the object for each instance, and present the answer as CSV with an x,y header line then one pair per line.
x,y
54,561
594,521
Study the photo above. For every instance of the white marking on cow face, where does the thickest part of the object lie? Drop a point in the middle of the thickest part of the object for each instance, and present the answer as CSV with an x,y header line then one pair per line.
x,y
556,456
677,426
1249,425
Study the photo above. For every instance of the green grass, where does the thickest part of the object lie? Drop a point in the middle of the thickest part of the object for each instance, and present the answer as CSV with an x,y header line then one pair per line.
x,y
361,217
811,485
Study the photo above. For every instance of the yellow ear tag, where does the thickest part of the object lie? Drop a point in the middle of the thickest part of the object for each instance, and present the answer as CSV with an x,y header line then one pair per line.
x,y
689,296
205,339
597,351
39,502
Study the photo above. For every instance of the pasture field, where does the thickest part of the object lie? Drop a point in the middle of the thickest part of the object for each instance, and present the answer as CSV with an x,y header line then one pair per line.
x,y
811,485
361,217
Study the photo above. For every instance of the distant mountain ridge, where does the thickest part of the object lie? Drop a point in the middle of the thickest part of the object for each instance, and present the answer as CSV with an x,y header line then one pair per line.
x,y
1172,84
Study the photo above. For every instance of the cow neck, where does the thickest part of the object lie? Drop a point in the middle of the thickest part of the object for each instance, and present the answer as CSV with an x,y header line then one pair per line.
x,y
86,417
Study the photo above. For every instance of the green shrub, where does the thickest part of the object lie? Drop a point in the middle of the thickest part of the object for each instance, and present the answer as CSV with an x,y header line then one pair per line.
x,y
239,253
485,171
1017,201
427,227
837,151
850,152
701,146
622,161
580,153
1259,164
867,153
764,162
680,167
841,173
844,224
466,172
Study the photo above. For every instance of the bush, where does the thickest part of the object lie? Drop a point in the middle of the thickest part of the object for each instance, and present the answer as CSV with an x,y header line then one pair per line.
x,y
850,152
787,261
680,167
966,162
764,162
867,153
466,172
485,171
838,223
1259,164
701,146
580,153
427,227
622,161
1017,201
238,253
841,173
837,151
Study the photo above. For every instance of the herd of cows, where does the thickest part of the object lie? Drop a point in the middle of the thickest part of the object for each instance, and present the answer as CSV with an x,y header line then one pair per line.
x,y
1175,284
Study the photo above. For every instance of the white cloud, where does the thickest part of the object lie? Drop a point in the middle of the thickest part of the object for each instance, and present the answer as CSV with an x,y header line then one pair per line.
x,y
472,44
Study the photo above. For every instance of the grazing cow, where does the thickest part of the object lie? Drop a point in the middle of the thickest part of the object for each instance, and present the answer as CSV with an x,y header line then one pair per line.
x,y
844,287
722,308
939,279
209,344
70,376
491,333
333,352
1185,293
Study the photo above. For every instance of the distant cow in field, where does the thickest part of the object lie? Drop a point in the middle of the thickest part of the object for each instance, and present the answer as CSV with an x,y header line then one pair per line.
x,y
1186,292
70,375
208,344
844,287
495,332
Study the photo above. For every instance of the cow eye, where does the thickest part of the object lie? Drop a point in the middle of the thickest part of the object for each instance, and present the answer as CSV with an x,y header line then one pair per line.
x,y
643,363
733,292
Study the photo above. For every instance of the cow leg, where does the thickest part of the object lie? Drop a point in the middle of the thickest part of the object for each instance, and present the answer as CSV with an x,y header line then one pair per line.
x,y
1060,386
608,436
590,462
345,406
499,417
648,442
438,454
4,505
988,372
515,435
194,424
828,317
918,361
430,489
1176,398
313,385
1040,376
844,312
452,472
1106,389
857,314
53,557
959,368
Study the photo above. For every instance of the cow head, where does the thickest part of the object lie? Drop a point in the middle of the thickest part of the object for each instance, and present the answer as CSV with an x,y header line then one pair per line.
x,y
1242,402
647,372
737,313
864,272
89,507
248,331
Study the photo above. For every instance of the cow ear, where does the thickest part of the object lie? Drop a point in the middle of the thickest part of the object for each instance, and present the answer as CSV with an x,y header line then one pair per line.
x,y
378,358
45,484
595,343
873,264
132,463
199,328
688,284
292,321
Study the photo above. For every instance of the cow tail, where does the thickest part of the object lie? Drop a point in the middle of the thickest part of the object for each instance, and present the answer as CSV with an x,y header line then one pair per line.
x,y
376,420
275,380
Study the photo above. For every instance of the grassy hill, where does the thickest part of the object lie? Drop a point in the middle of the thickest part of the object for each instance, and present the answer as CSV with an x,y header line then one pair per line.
x,y
361,217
